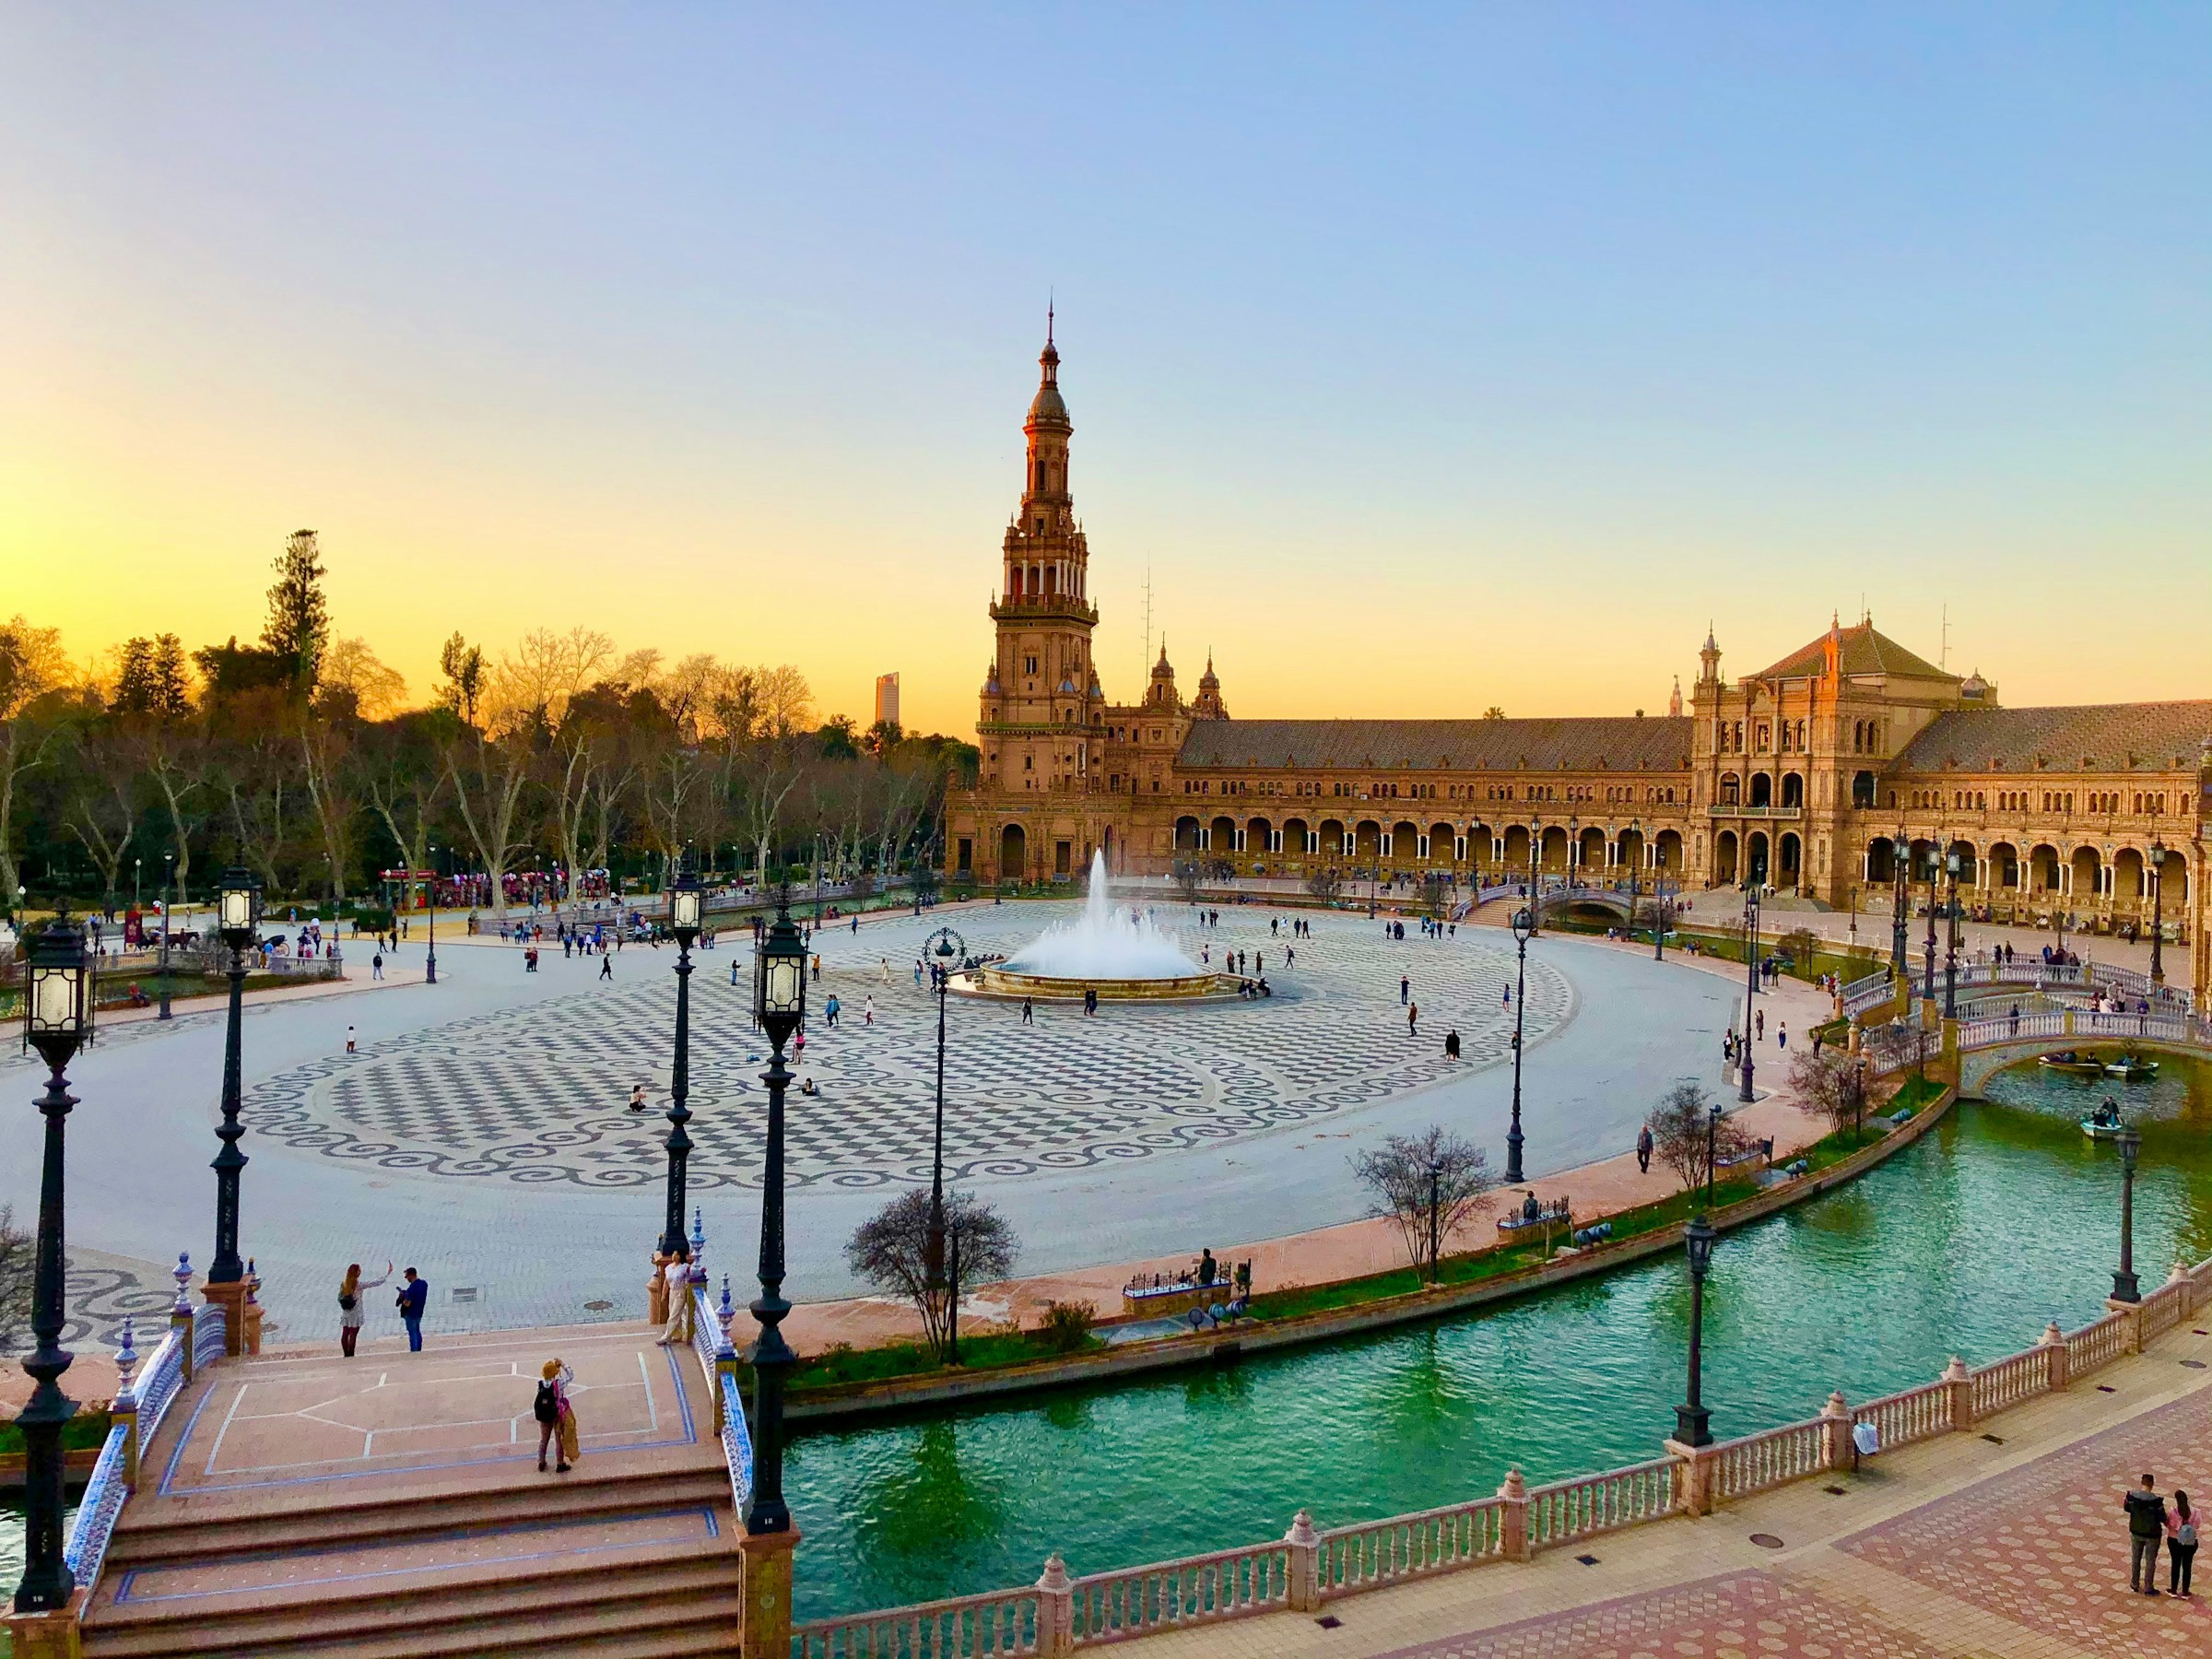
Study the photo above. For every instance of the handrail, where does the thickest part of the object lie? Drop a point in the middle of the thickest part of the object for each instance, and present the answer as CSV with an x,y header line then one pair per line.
x,y
1200,1589
1908,1415
1591,1504
956,1627
210,1334
718,1362
1373,1553
97,1509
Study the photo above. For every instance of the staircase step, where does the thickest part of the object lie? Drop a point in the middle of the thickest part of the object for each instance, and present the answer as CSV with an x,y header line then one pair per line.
x,y
184,1530
501,1605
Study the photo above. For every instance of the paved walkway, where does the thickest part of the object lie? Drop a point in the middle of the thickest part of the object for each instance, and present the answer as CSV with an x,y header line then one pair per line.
x,y
477,1130
2005,1545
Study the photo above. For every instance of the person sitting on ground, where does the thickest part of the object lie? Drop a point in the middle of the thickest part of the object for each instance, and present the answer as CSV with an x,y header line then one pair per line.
x,y
637,1098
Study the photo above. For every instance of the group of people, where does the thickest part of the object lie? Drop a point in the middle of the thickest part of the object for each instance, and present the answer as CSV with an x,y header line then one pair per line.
x,y
2151,1521
413,1297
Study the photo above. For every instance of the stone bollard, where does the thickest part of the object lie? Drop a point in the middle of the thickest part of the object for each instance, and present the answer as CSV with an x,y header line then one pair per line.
x,y
764,1623
1693,1480
2053,1344
1304,1566
1835,1433
125,1409
1512,1517
1056,1609
1959,1388
2131,1328
2186,1298
55,1635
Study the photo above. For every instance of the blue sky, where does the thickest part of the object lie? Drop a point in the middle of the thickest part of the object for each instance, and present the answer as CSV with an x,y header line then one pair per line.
x,y
1430,358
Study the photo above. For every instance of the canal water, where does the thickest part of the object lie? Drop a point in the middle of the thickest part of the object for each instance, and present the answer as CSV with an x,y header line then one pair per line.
x,y
2003,1217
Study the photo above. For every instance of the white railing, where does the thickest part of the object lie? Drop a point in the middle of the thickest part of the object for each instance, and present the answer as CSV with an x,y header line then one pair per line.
x,y
1910,1414
1759,1463
1202,1589
210,1338
717,1362
1582,1508
2009,1381
959,1627
1406,1547
1982,1033
2097,1345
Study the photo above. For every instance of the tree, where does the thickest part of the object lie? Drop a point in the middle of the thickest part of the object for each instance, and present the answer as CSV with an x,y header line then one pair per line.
x,y
235,670
33,671
402,773
1427,1183
102,811
462,664
1436,896
1324,884
1682,1131
298,630
1799,945
1189,877
837,738
534,683
19,1259
135,687
172,683
881,739
326,763
355,681
890,1250
1830,1085
490,777
784,699
1493,712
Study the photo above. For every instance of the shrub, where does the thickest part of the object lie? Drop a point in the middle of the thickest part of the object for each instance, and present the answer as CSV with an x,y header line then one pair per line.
x,y
1067,1325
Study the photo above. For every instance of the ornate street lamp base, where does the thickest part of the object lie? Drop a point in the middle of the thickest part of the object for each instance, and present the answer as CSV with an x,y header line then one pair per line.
x,y
2126,1287
1693,1425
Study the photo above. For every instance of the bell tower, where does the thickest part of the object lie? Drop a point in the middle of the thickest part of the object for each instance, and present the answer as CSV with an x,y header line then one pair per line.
x,y
1042,709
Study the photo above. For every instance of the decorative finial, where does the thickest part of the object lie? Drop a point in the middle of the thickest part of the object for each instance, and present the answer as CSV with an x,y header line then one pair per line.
x,y
184,1277
1048,316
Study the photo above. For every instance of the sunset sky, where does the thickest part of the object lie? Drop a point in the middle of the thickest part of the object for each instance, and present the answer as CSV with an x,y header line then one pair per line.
x,y
1427,358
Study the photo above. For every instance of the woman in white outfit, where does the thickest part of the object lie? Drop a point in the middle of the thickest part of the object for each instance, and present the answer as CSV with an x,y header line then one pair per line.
x,y
349,1304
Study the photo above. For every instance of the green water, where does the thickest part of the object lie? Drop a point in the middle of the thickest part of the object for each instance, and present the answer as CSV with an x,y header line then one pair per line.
x,y
2005,1218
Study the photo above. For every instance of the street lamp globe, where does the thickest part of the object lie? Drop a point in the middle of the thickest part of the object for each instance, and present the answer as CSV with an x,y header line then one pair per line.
x,y
57,1010
237,907
1524,926
1697,1240
780,997
685,900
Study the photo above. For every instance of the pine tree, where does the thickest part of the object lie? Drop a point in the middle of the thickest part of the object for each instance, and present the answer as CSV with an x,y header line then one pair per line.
x,y
463,665
298,625
172,690
136,691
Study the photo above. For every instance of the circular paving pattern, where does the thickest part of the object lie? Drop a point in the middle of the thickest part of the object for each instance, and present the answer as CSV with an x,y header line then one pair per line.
x,y
538,1094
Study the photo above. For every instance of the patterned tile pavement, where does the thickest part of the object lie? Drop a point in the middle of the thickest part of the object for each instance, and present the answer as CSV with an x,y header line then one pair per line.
x,y
536,1094
2044,1546
1734,1616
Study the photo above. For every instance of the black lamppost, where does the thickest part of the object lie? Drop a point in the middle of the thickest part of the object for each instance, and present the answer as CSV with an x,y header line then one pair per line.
x,y
1951,961
1524,928
1693,1423
947,947
57,1018
238,913
1900,898
2157,913
1712,1149
779,1002
684,899
1535,875
429,960
1927,984
1637,833
169,903
2124,1280
1750,985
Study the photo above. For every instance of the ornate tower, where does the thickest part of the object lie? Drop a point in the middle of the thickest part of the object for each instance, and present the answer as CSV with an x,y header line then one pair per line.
x,y
1209,705
1041,702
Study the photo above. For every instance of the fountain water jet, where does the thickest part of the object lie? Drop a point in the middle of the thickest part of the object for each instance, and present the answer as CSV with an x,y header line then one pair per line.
x,y
1120,955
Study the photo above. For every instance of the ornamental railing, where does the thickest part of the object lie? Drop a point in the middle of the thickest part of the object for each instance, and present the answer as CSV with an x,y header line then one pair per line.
x,y
718,1365
1307,1567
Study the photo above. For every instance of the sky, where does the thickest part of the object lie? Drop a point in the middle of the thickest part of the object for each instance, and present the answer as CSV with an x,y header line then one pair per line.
x,y
1421,359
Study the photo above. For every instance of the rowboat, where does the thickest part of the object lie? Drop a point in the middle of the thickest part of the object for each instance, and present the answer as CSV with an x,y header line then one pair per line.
x,y
2066,1059
2097,1131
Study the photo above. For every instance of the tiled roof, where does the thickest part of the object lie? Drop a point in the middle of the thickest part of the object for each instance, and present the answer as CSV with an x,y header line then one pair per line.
x,y
2146,737
1863,650
1612,743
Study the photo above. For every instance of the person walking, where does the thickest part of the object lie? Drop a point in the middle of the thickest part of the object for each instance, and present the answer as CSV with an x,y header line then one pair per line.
x,y
1404,990
1761,1017
606,965
414,1295
1643,1150
2146,1527
349,1304
556,1416
867,1012
1413,1020
2181,1544
1026,1018
1781,1035
1451,1043
676,1276
349,1049
376,966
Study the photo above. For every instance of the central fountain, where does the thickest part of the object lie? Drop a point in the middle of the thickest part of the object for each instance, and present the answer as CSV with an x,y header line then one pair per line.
x,y
1118,954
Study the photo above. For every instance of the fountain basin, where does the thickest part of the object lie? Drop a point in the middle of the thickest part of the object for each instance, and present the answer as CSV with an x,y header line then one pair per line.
x,y
1011,984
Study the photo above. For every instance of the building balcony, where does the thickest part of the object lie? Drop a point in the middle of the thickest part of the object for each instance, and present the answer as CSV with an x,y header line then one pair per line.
x,y
1726,809
1042,607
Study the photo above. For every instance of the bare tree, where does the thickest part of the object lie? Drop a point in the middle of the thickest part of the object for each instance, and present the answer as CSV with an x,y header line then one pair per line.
x,y
770,771
1830,1085
327,764
257,780
19,1255
1685,1133
1427,1183
490,778
402,772
102,810
890,1250
32,668
174,754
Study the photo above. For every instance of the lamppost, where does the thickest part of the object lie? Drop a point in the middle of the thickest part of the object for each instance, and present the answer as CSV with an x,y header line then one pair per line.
x,y
1693,1423
1574,843
1927,984
1900,864
2125,1288
1524,928
429,960
169,903
947,947
237,912
1750,983
2157,913
684,900
780,1004
1535,897
1951,863
137,869
57,1018
1637,833
1712,1149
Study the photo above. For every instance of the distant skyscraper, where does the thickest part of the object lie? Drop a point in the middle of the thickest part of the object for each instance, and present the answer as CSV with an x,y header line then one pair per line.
x,y
887,698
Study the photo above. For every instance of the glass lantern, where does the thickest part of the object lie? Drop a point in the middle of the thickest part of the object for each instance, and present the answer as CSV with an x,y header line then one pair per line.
x,y
58,993
237,907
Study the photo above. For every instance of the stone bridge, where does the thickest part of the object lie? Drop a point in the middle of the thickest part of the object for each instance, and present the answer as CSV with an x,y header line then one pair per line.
x,y
1987,1046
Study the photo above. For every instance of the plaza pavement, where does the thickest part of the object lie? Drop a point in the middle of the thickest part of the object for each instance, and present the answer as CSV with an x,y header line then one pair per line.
x,y
2008,1544
527,1251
